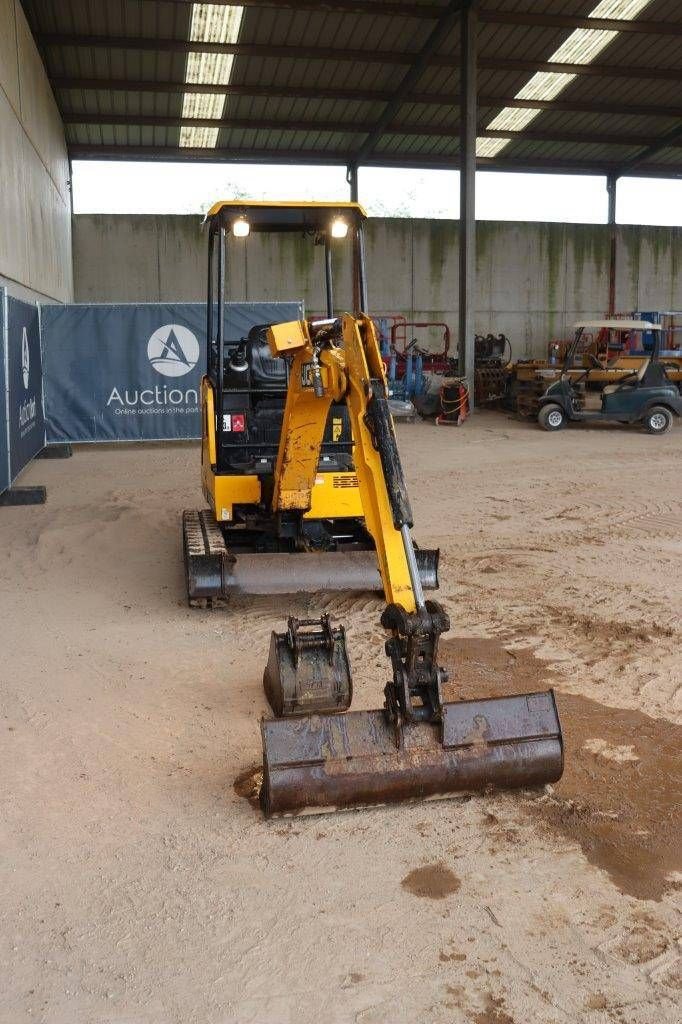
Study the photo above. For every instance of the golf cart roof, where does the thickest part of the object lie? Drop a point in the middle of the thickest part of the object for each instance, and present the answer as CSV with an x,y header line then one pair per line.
x,y
264,215
618,325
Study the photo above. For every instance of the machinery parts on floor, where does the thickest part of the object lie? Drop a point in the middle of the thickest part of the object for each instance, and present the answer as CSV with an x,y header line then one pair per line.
x,y
317,756
439,361
490,384
454,402
492,355
402,409
492,350
527,386
671,335
646,395
409,364
247,541
308,669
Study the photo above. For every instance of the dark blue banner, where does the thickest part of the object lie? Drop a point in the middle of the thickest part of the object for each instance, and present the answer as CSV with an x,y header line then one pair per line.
x,y
4,447
133,372
24,385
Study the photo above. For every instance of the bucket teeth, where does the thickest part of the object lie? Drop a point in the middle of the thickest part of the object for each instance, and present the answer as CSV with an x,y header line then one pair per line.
x,y
308,669
321,763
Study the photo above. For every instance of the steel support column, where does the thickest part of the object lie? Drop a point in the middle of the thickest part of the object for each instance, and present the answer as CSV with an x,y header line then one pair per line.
x,y
352,179
611,187
467,192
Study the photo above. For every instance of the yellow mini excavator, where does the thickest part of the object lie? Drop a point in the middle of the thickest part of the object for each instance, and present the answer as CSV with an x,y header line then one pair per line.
x,y
335,490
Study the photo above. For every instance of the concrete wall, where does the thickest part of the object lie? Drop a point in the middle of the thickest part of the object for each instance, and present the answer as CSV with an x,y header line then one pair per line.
x,y
533,280
35,201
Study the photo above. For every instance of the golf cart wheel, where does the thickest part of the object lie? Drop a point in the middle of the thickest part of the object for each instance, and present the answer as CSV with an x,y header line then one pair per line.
x,y
658,420
552,417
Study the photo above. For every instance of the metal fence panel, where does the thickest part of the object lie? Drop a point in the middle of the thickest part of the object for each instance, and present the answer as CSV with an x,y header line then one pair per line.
x,y
133,372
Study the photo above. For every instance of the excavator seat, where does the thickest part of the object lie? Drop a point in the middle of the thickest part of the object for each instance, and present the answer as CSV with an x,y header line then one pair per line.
x,y
266,373
254,391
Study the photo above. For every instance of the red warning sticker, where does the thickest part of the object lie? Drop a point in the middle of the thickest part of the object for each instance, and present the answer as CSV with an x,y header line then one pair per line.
x,y
238,422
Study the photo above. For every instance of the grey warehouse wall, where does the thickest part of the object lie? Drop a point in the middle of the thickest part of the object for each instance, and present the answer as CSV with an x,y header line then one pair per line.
x,y
533,280
35,201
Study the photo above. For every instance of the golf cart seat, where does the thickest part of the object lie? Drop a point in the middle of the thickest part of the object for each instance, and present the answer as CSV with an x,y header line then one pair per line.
x,y
630,382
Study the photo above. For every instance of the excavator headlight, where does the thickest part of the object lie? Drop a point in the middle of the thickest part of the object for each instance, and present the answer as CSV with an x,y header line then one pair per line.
x,y
241,227
339,228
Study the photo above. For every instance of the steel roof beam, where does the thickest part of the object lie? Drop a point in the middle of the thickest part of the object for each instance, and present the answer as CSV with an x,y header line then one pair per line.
x,y
141,43
164,45
433,11
570,21
61,39
449,19
314,157
484,63
590,70
576,106
670,140
352,128
426,12
451,101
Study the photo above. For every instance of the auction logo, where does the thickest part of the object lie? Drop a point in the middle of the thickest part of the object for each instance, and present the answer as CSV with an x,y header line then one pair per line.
x,y
173,350
25,360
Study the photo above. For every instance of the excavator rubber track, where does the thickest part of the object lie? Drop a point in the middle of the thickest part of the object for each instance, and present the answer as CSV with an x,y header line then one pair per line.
x,y
207,561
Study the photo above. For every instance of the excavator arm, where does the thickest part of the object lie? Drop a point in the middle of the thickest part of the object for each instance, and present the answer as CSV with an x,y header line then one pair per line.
x,y
339,361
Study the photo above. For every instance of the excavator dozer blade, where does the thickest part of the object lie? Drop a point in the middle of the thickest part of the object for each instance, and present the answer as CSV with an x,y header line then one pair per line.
x,y
322,763
214,573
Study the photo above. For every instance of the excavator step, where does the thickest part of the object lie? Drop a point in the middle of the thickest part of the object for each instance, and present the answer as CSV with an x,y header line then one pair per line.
x,y
214,574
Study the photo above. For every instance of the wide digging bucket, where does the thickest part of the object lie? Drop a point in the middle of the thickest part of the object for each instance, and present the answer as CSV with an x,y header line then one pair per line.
x,y
322,763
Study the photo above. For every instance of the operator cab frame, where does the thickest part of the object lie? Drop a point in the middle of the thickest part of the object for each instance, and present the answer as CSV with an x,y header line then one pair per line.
x,y
325,224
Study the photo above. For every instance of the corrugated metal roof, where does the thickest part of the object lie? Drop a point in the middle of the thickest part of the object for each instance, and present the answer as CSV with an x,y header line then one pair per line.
x,y
319,102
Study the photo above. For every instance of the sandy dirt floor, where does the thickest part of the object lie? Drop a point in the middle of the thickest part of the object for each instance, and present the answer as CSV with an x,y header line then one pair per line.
x,y
140,885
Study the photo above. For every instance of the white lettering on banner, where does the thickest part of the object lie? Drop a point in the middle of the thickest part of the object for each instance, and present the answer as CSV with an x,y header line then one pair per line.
x,y
27,412
159,396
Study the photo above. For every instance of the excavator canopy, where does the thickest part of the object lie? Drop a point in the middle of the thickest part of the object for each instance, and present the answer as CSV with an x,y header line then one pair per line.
x,y
285,216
